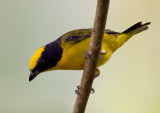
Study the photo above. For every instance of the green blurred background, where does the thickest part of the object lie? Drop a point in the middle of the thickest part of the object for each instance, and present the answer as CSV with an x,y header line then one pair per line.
x,y
129,82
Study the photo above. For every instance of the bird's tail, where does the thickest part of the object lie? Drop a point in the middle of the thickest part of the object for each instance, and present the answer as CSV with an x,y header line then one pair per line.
x,y
127,34
137,28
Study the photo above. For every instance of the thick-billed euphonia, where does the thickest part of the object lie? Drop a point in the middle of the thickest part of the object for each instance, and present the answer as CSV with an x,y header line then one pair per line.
x,y
68,51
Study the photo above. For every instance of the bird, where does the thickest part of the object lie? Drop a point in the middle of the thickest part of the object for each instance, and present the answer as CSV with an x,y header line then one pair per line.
x,y
69,51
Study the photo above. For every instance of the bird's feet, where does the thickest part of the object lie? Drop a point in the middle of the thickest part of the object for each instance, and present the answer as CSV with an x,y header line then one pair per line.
x,y
103,52
92,89
87,56
78,92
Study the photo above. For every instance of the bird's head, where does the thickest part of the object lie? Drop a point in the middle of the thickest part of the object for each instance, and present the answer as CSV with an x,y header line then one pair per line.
x,y
44,59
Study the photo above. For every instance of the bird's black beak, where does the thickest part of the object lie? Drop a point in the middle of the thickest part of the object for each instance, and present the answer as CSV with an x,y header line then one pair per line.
x,y
33,75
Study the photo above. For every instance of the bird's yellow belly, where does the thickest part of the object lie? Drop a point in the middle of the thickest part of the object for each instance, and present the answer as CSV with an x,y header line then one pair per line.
x,y
74,57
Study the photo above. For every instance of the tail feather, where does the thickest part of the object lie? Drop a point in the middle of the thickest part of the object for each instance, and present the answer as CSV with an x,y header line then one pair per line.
x,y
139,27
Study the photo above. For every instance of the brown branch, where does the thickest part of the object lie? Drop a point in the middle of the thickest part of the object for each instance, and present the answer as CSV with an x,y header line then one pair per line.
x,y
93,51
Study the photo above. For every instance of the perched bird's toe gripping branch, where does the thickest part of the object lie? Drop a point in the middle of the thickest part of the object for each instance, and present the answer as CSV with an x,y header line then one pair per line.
x,y
103,52
92,89
87,56
78,92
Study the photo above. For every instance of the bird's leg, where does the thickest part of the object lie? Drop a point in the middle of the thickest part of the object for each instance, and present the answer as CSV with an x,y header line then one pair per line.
x,y
78,88
103,52
96,75
92,89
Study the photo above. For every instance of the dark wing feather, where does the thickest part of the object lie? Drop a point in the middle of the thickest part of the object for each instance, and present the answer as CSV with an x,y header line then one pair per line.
x,y
77,35
80,34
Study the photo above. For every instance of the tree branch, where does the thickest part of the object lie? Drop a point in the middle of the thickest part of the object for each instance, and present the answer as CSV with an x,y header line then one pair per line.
x,y
93,51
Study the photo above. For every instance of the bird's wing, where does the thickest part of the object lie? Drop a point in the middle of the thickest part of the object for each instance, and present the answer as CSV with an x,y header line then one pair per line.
x,y
77,35
81,34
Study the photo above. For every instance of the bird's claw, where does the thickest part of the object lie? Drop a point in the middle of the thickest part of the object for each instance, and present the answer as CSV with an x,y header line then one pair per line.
x,y
97,75
92,90
103,52
87,56
77,90
78,93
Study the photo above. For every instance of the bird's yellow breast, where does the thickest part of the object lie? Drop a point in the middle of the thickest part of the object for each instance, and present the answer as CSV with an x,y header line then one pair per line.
x,y
73,57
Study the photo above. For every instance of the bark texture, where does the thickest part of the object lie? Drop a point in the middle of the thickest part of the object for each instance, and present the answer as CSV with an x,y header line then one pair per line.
x,y
93,51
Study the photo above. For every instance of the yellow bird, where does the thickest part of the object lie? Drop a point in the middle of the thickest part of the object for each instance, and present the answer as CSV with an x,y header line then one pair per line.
x,y
68,51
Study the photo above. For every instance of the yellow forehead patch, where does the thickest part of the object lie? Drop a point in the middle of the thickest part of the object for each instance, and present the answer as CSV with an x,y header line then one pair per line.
x,y
35,57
